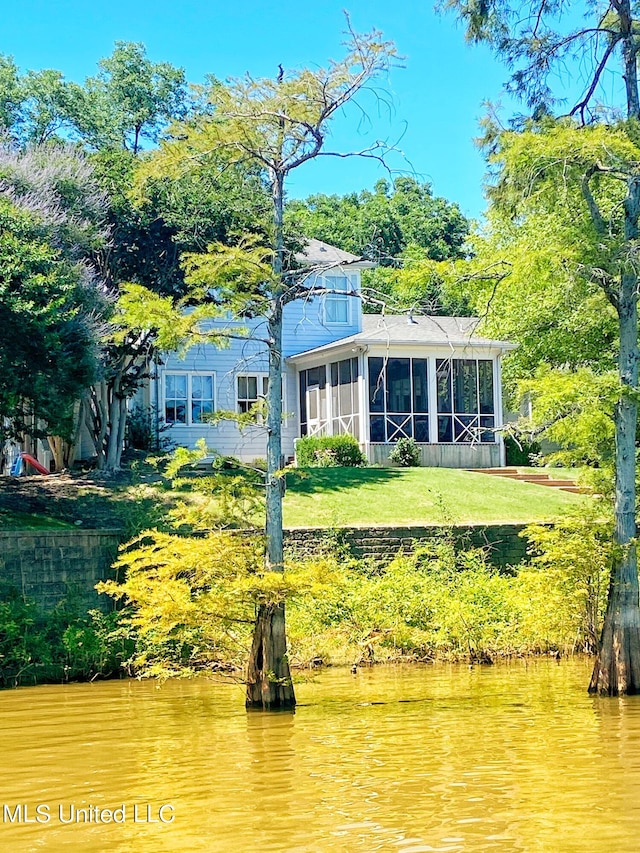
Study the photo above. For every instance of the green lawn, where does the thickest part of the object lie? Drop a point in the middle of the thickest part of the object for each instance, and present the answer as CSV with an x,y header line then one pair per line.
x,y
336,497
10,520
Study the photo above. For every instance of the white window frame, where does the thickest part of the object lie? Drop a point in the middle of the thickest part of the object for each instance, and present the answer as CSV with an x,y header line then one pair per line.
x,y
262,380
339,297
190,375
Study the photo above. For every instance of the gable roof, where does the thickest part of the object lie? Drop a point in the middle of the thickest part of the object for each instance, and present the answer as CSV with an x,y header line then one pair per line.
x,y
316,253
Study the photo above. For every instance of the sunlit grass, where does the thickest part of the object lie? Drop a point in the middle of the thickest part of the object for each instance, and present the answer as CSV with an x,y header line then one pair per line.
x,y
331,497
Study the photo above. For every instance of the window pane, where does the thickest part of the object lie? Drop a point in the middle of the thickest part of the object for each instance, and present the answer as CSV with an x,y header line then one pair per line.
x,y
421,428
181,386
334,373
316,376
376,386
443,373
399,426
486,427
485,382
420,387
398,385
242,387
377,428
345,371
445,431
200,408
345,400
252,387
303,402
465,428
336,309
464,386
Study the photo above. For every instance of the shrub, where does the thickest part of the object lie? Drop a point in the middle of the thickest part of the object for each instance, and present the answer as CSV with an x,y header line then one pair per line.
x,y
520,452
406,453
330,451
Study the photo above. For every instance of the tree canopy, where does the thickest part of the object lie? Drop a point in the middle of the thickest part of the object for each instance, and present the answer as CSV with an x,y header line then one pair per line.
x,y
382,224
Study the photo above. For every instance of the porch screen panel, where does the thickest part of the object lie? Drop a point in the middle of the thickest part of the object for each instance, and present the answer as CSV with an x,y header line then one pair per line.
x,y
465,400
344,397
398,399
313,401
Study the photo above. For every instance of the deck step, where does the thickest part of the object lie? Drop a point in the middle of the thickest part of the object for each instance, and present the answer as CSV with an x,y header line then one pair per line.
x,y
534,479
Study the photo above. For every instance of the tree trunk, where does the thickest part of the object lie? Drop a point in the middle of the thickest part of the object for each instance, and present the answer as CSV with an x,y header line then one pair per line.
x,y
269,685
617,668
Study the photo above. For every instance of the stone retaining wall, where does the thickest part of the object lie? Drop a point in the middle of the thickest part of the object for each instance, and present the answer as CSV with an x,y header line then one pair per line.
x,y
49,565
503,543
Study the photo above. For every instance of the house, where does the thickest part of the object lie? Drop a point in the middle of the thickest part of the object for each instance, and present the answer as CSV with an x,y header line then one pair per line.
x,y
378,377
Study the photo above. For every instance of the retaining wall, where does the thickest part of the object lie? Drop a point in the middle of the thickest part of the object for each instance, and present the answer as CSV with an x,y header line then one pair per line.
x,y
503,543
49,565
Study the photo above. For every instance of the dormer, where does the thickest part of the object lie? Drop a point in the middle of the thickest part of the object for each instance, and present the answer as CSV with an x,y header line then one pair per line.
x,y
330,315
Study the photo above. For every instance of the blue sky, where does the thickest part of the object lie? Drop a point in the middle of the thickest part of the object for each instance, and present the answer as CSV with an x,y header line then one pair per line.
x,y
435,99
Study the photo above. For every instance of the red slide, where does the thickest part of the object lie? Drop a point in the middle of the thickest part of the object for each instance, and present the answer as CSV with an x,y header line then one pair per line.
x,y
34,463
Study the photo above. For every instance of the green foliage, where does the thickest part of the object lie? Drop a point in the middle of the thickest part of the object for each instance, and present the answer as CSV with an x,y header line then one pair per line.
x,y
329,451
405,453
58,646
145,432
191,600
575,410
46,347
438,603
569,575
382,224
520,452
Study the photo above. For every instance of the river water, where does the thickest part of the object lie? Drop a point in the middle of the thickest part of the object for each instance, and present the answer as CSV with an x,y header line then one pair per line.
x,y
514,757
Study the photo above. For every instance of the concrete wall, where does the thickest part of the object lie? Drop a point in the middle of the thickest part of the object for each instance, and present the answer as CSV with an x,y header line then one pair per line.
x,y
503,543
444,455
50,565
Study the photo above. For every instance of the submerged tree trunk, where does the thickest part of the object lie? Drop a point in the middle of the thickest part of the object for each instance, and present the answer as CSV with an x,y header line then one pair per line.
x,y
269,685
617,668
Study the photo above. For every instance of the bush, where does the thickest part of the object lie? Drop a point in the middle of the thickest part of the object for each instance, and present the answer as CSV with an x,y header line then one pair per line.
x,y
520,453
330,451
57,646
406,453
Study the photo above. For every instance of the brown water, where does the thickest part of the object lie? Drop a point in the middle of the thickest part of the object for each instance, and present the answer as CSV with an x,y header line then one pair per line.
x,y
505,758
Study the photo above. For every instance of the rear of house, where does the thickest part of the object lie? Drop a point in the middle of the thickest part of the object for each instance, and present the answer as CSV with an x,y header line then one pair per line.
x,y
377,377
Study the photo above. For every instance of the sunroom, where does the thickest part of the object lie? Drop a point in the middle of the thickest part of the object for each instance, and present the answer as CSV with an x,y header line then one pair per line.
x,y
428,378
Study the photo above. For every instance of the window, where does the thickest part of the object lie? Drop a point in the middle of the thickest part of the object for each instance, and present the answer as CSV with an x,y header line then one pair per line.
x,y
252,389
336,304
465,400
398,399
188,397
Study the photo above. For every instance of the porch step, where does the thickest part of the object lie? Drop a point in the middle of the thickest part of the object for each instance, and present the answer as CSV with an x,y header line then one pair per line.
x,y
535,479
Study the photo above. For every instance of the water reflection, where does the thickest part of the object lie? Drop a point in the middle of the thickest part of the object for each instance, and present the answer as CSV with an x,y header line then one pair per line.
x,y
506,758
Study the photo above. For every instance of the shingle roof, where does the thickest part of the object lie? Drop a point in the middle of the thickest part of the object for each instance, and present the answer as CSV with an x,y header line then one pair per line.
x,y
317,253
401,329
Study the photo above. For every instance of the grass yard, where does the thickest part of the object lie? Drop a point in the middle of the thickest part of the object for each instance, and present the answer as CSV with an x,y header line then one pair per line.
x,y
30,521
335,497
